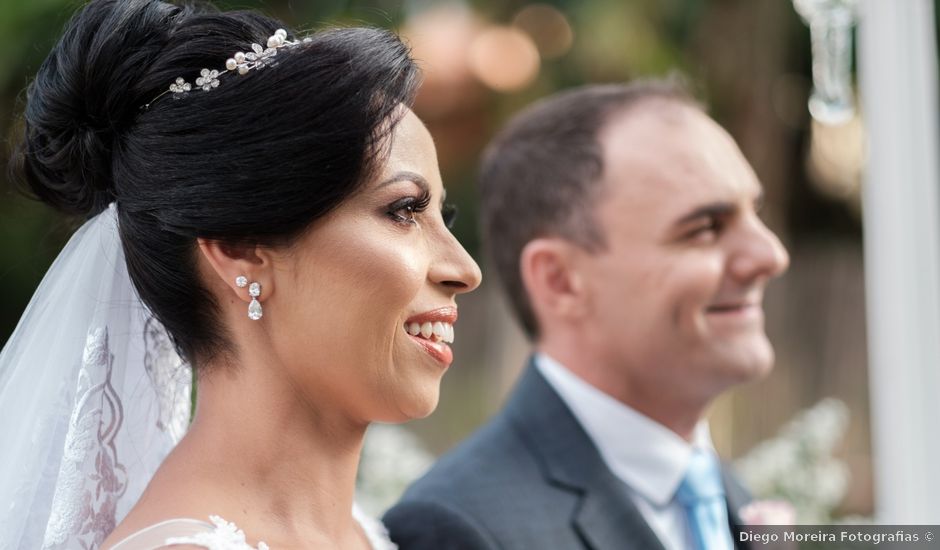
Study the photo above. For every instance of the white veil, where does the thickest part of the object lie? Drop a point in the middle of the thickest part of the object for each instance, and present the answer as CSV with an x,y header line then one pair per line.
x,y
92,398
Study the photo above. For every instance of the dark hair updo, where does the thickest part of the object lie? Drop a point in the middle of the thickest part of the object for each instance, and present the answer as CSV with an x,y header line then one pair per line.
x,y
255,160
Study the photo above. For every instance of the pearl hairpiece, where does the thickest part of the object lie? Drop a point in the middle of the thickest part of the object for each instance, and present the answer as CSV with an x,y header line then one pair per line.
x,y
241,63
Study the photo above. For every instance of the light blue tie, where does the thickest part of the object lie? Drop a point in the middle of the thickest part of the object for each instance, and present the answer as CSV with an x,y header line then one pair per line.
x,y
702,495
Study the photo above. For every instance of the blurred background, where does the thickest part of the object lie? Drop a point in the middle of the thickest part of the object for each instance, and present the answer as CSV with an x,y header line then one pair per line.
x,y
748,60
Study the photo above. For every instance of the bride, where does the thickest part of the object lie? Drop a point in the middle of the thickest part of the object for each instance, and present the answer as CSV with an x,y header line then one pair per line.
x,y
268,206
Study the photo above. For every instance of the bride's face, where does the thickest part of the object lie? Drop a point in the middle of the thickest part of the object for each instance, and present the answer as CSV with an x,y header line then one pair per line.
x,y
381,263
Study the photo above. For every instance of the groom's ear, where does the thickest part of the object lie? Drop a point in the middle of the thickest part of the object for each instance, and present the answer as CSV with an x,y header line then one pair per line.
x,y
552,280
221,264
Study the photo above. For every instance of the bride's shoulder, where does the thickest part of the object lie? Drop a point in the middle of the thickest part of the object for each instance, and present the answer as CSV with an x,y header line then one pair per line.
x,y
219,534
187,533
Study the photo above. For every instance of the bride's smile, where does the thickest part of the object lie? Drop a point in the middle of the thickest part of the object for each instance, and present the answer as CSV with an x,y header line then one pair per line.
x,y
433,330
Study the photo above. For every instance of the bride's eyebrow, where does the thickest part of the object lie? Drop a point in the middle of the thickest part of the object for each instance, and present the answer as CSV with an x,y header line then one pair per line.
x,y
405,175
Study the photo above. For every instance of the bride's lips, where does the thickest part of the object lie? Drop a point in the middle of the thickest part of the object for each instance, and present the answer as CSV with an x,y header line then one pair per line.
x,y
436,348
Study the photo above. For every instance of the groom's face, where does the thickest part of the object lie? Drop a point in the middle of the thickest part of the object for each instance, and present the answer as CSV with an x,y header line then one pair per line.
x,y
676,297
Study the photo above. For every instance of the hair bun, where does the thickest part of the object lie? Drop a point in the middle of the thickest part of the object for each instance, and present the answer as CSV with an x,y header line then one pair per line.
x,y
83,96
69,167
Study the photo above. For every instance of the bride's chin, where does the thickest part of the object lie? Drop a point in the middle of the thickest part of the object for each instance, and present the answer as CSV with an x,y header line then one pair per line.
x,y
417,404
425,411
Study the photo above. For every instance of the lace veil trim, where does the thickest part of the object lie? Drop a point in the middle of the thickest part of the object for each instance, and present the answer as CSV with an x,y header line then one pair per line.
x,y
96,394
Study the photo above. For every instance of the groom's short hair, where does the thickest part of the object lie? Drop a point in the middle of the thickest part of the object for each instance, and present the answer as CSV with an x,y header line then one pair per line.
x,y
539,176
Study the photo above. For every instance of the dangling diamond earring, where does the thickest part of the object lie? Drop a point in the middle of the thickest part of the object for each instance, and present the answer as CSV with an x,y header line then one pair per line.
x,y
254,308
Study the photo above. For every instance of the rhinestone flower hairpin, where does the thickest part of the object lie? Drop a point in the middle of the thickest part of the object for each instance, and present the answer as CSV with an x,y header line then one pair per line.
x,y
242,62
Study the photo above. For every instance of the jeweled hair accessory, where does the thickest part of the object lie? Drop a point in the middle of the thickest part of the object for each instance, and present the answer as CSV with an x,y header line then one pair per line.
x,y
242,62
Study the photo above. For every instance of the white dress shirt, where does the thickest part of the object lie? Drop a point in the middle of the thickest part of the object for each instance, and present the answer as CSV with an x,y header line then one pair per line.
x,y
649,457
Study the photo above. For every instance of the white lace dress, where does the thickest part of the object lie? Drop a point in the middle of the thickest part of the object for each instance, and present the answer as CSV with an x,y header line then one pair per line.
x,y
219,534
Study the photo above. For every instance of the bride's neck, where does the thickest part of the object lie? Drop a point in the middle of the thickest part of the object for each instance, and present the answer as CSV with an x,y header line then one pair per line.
x,y
276,458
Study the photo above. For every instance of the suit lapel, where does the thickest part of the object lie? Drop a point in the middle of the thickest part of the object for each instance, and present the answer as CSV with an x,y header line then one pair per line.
x,y
606,518
737,497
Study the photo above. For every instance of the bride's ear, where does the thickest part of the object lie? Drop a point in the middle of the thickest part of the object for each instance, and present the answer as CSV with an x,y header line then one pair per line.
x,y
231,261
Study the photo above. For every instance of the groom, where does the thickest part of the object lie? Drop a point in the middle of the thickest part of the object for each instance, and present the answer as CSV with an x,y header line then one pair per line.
x,y
623,223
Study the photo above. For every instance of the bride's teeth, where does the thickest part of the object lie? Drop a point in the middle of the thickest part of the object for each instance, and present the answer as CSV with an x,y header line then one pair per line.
x,y
436,332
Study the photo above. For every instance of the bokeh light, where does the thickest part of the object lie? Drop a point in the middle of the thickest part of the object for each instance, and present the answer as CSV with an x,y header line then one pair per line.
x,y
504,58
836,159
548,27
440,38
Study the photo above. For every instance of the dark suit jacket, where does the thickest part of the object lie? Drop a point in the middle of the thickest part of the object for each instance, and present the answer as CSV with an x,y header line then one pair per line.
x,y
531,479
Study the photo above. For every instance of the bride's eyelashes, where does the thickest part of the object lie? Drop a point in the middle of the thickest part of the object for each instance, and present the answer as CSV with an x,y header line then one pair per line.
x,y
449,213
406,209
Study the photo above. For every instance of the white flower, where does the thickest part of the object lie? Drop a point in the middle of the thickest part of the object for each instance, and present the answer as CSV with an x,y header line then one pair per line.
x,y
208,79
179,86
392,458
261,56
797,465
768,512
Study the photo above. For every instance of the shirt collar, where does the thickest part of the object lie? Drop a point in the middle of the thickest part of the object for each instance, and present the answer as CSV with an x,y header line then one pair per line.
x,y
647,456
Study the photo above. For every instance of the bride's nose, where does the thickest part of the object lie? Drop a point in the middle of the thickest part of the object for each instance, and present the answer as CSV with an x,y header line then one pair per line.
x,y
453,267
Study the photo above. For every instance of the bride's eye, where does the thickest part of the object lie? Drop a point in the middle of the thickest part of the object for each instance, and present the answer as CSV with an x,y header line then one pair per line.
x,y
449,213
406,209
